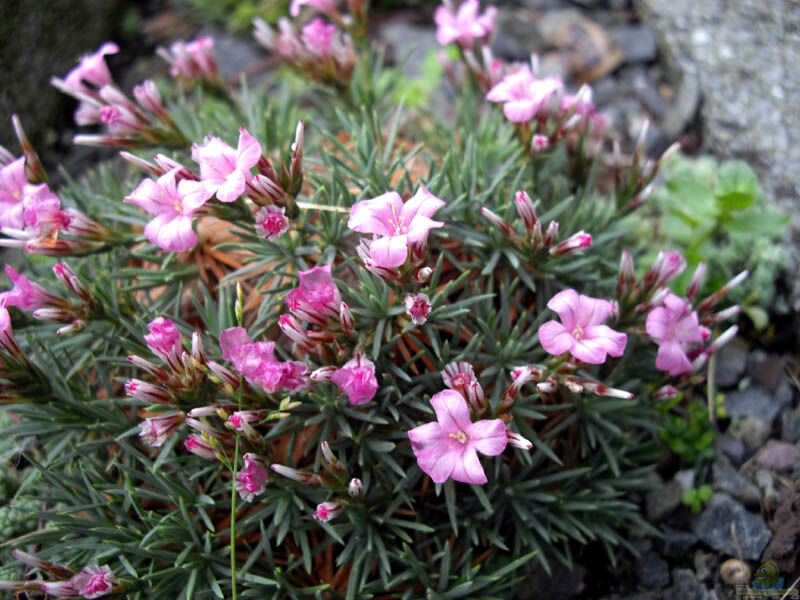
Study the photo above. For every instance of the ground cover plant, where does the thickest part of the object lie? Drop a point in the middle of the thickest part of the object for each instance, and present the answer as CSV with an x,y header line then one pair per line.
x,y
306,342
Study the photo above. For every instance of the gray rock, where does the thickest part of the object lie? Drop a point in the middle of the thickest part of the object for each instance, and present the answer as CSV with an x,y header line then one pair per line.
x,y
745,56
766,482
516,35
686,585
790,425
766,369
685,479
675,543
705,564
638,43
715,526
780,456
561,584
683,108
661,502
729,480
728,446
754,401
752,431
235,55
645,90
651,571
409,44
731,364
606,90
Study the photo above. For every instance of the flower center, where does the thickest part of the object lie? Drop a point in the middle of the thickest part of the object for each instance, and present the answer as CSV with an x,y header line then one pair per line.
x,y
460,436
577,333
461,380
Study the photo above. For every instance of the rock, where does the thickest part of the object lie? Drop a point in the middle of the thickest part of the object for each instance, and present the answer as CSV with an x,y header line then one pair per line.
x,y
516,35
754,401
675,543
606,90
682,110
561,584
638,43
591,51
651,571
409,44
235,55
727,479
790,425
705,563
766,482
747,112
685,479
752,431
766,369
686,586
780,456
728,446
661,502
638,80
716,524
730,364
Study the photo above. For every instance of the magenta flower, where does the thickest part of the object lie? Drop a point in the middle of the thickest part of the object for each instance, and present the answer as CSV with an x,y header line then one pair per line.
x,y
357,379
42,211
465,26
94,581
449,446
581,332
318,37
26,294
327,511
224,169
174,205
192,60
12,190
251,481
673,327
92,69
195,444
418,307
271,222
325,6
164,340
155,430
522,95
317,299
396,224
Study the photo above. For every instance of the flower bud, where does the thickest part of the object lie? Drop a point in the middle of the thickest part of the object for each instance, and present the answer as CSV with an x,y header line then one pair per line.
x,y
155,430
59,315
34,170
197,445
723,315
516,440
551,235
504,227
323,373
418,307
422,275
526,210
74,327
627,275
299,476
539,143
71,281
573,243
226,376
725,337
667,392
537,239
696,282
292,329
198,352
346,319
714,298
271,222
146,94
327,511
330,461
355,488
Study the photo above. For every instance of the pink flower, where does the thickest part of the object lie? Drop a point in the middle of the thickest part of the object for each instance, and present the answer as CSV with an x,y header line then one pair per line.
x,y
577,241
251,481
197,445
581,332
327,511
317,299
674,327
357,379
226,170
164,339
193,60
325,6
12,187
271,222
26,294
42,211
94,581
92,69
174,205
418,307
397,224
243,421
449,447
256,361
522,95
465,25
318,37
155,430
460,376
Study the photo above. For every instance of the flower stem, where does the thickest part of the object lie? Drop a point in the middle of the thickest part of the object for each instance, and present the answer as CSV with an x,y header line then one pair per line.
x,y
233,517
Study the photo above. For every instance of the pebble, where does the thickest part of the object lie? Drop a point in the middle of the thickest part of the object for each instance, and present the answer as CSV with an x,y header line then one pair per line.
x,y
686,585
675,543
730,364
752,431
662,502
730,447
638,43
715,526
652,572
516,35
780,456
686,479
705,563
683,108
754,401
729,480
790,425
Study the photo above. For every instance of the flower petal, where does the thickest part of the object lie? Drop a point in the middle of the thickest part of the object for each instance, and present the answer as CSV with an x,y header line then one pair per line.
x,y
177,235
488,436
658,321
554,338
612,341
671,357
423,436
420,226
376,215
565,304
468,469
232,188
452,411
248,151
422,203
592,311
438,462
520,111
589,351
389,251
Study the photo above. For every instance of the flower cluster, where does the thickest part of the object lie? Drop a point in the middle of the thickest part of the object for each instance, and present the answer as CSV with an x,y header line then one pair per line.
x,y
94,581
192,61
